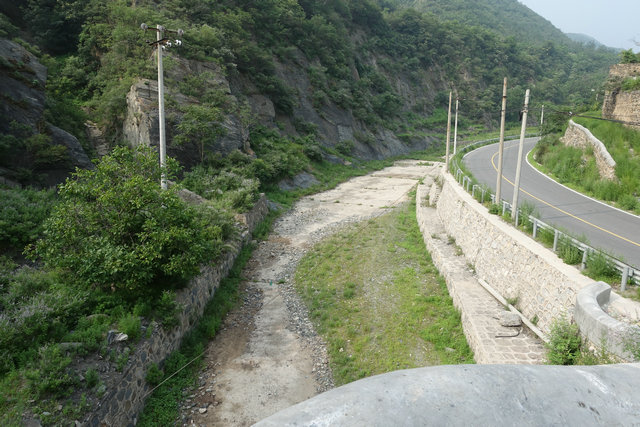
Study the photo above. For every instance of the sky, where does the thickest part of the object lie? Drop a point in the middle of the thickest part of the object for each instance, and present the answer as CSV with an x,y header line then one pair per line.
x,y
614,23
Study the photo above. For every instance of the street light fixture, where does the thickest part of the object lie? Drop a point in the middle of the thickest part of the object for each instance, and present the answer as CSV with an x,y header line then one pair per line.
x,y
160,44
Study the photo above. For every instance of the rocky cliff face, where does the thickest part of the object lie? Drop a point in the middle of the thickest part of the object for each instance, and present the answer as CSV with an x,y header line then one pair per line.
x,y
335,125
32,151
618,103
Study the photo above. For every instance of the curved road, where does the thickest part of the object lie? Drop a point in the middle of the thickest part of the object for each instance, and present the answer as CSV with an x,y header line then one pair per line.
x,y
605,227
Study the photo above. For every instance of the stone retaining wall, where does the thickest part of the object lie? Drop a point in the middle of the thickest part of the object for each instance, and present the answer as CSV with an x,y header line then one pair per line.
x,y
515,265
121,405
598,327
618,104
580,137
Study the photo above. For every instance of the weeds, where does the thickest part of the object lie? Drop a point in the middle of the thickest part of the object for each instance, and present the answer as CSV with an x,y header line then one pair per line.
x,y
566,347
371,325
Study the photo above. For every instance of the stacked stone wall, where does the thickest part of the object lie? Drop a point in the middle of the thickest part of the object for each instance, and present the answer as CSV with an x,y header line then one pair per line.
x,y
580,137
120,405
518,267
618,104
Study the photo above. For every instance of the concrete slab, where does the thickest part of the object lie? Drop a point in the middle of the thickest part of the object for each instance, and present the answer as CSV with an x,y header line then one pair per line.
x,y
477,395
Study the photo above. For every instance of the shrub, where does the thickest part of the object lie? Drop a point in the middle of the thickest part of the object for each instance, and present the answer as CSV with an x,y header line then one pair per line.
x,y
154,375
114,228
628,202
599,267
130,325
564,343
36,309
91,377
569,253
168,309
345,147
49,374
22,213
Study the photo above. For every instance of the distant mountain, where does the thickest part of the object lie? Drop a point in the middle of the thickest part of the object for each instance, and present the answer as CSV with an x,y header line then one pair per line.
x,y
584,39
506,17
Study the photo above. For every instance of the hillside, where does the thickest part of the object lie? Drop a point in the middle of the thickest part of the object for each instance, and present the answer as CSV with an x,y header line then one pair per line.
x,y
346,76
509,18
260,96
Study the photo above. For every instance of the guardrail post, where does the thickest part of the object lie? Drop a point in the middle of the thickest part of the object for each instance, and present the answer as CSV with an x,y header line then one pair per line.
x,y
483,191
625,278
504,207
468,182
535,227
556,233
585,254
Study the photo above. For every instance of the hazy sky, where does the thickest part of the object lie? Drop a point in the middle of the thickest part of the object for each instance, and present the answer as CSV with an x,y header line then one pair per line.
x,y
614,23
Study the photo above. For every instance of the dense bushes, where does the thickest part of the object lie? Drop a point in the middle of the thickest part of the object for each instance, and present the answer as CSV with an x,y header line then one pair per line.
x,y
116,230
22,213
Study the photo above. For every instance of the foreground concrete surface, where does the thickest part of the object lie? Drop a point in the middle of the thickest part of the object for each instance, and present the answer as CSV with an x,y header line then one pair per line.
x,y
486,395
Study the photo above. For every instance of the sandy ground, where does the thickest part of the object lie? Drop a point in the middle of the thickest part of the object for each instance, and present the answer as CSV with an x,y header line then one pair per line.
x,y
268,356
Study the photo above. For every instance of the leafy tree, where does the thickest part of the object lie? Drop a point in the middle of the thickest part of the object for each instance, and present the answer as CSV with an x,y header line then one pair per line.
x,y
200,123
116,229
628,57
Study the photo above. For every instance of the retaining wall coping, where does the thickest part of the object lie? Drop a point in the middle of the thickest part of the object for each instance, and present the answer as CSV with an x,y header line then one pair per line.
x,y
598,326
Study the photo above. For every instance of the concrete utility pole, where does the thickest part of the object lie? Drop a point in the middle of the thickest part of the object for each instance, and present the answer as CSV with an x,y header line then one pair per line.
x,y
542,115
161,43
516,188
163,142
455,130
446,157
503,115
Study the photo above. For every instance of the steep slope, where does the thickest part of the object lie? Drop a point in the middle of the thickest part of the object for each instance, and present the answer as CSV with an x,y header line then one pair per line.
x,y
343,77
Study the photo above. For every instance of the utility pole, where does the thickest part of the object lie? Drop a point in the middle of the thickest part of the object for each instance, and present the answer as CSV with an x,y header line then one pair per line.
x,y
516,187
161,43
163,142
455,130
446,157
503,115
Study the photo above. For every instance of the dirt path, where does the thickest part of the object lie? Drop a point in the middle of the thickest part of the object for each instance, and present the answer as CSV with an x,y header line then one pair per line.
x,y
268,356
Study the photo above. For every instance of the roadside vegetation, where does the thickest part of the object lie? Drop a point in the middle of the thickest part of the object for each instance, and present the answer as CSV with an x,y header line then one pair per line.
x,y
378,301
577,168
598,264
567,347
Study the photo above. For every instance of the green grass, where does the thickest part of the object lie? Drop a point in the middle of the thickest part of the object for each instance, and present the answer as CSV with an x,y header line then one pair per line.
x,y
377,299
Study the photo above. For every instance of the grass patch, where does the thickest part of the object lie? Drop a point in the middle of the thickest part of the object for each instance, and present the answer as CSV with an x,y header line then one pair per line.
x,y
380,313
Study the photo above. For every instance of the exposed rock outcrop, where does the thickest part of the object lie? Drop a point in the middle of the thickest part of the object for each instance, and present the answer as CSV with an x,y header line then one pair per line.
x,y
30,143
334,125
140,126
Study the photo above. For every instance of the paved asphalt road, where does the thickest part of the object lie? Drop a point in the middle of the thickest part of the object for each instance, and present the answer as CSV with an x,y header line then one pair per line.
x,y
605,227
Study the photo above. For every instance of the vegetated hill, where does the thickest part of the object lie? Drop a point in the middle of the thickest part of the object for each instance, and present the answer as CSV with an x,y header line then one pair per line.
x,y
507,17
344,75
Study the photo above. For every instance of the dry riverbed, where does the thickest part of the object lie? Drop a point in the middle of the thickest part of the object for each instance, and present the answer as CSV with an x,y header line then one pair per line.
x,y
268,356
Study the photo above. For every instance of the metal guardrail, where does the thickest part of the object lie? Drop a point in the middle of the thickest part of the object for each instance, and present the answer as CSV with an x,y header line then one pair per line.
x,y
627,272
